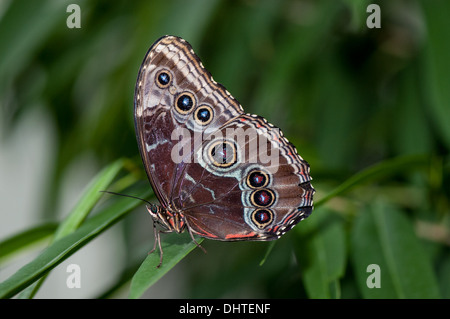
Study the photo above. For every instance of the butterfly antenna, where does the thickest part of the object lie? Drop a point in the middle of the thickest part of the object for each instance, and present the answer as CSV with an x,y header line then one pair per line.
x,y
124,195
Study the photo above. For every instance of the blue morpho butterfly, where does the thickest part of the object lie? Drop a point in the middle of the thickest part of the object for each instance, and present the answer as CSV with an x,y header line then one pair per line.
x,y
215,189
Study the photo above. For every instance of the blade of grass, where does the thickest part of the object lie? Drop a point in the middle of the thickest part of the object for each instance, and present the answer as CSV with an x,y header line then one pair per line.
x,y
377,171
90,197
66,246
175,248
437,67
79,213
321,254
268,251
384,236
25,239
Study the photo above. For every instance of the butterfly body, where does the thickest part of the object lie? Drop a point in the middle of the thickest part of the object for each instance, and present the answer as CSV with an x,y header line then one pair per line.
x,y
169,220
217,171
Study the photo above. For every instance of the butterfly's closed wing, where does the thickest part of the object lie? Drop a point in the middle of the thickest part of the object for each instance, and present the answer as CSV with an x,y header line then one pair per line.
x,y
228,175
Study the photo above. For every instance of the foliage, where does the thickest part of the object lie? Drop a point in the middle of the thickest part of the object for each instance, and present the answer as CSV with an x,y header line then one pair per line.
x,y
367,108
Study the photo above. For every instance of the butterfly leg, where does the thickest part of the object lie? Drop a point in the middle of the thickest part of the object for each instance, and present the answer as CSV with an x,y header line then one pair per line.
x,y
157,241
155,233
193,239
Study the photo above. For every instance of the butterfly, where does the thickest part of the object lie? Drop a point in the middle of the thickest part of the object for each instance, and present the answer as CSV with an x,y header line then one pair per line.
x,y
217,171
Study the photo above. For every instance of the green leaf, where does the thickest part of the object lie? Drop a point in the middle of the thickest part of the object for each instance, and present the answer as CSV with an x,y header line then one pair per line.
x,y
25,239
377,171
268,251
382,235
321,254
175,247
90,197
437,66
66,246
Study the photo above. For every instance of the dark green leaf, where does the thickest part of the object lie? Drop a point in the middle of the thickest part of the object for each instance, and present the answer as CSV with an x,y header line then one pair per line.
x,y
66,246
89,198
435,79
383,236
378,171
321,253
26,238
175,247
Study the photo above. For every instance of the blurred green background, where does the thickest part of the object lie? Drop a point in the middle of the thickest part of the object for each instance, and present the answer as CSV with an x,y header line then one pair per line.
x,y
369,109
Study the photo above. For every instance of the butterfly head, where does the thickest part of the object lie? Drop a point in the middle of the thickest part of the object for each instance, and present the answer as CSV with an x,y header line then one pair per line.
x,y
168,219
154,211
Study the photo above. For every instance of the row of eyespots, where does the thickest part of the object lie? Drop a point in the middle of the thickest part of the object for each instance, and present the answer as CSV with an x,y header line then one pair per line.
x,y
185,102
261,197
